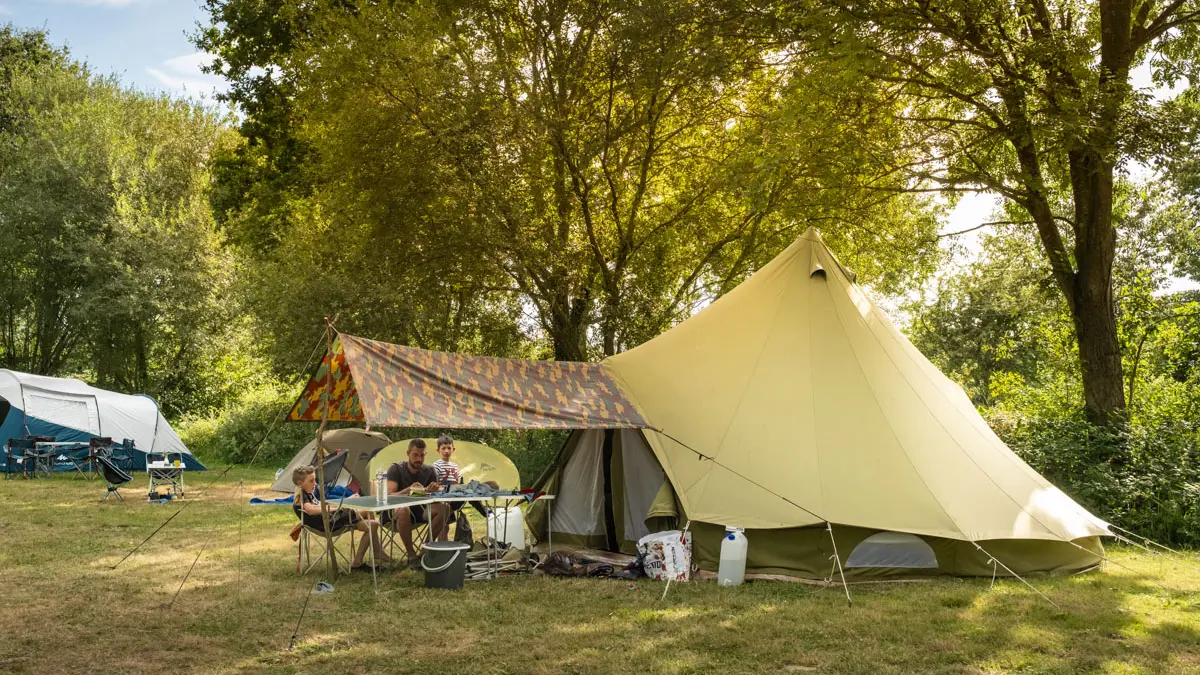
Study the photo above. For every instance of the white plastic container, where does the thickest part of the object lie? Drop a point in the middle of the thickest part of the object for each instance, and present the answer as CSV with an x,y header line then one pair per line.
x,y
734,547
507,525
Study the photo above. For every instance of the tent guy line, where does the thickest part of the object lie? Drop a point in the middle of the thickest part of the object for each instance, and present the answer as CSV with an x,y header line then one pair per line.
x,y
186,504
995,560
704,457
270,430
828,525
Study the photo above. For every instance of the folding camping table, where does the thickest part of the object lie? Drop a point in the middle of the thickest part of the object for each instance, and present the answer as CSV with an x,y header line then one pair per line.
x,y
46,459
168,473
375,505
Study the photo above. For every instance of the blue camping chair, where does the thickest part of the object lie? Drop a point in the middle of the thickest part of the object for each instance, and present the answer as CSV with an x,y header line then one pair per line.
x,y
123,454
17,460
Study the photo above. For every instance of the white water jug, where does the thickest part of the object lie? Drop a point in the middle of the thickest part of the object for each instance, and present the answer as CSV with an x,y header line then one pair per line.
x,y
734,547
507,525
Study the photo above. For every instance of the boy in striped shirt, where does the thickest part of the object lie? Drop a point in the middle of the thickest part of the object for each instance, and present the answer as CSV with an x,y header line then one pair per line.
x,y
447,471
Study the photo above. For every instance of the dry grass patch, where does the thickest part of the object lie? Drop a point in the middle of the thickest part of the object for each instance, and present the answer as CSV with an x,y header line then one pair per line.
x,y
238,609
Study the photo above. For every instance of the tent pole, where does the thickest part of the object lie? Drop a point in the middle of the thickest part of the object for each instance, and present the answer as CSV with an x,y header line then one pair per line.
x,y
333,565
838,559
1018,577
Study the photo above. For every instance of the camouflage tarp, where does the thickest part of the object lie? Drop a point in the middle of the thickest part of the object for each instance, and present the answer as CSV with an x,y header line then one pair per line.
x,y
390,385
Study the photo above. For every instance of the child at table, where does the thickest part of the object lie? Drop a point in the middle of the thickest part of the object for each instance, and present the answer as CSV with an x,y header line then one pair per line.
x,y
307,505
447,472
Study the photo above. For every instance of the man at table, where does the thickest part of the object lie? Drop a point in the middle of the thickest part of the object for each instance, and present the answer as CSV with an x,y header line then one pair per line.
x,y
402,479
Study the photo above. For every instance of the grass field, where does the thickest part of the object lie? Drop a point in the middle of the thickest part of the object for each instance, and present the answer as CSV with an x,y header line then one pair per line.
x,y
64,610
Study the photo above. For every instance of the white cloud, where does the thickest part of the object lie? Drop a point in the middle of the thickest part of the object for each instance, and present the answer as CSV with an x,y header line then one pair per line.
x,y
184,74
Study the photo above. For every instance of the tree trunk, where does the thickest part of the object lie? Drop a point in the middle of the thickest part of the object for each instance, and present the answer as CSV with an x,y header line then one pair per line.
x,y
1092,307
568,328
1099,352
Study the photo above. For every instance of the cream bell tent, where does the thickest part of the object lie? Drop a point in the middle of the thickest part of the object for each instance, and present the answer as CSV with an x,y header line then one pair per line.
x,y
72,410
794,408
475,461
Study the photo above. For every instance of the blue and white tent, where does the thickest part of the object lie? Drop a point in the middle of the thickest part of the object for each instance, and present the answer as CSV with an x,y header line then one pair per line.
x,y
71,410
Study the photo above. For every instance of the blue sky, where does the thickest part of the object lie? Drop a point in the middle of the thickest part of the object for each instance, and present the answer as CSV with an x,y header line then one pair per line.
x,y
145,42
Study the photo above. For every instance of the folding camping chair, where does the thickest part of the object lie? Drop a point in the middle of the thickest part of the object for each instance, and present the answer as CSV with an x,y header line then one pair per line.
x,y
390,537
305,551
114,477
123,454
42,455
84,459
18,459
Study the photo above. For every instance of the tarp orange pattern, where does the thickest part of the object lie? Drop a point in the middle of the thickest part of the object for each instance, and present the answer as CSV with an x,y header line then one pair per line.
x,y
390,385
343,397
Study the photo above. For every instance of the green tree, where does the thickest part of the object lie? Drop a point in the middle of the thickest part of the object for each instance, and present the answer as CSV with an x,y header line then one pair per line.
x,y
112,264
21,50
1031,100
605,167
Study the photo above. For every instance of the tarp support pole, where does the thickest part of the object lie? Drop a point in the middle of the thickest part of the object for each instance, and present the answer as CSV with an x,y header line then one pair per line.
x,y
838,560
681,536
333,565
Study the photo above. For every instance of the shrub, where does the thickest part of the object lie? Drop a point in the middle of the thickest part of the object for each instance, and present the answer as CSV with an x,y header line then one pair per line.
x,y
231,435
1144,478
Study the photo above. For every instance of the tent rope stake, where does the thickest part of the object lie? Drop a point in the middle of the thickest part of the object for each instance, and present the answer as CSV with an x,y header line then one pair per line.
x,y
996,560
838,559
1154,580
1148,540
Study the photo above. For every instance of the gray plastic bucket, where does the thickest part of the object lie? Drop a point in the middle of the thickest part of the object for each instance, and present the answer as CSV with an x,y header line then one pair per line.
x,y
445,564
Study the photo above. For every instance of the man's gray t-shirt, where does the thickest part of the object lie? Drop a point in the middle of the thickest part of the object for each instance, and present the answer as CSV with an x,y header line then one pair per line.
x,y
403,476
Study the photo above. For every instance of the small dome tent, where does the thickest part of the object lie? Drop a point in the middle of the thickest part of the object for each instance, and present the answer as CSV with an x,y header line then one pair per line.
x,y
475,461
369,452
72,410
360,447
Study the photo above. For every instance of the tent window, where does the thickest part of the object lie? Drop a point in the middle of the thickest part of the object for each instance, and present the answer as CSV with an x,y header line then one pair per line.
x,y
73,411
893,549
5,406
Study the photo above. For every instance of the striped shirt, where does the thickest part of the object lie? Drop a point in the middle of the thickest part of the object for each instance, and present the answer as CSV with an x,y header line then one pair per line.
x,y
446,471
